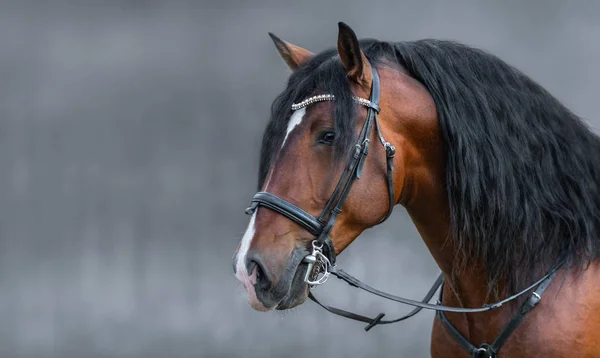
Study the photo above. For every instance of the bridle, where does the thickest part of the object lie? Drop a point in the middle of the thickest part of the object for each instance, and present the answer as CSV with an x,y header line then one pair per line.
x,y
323,254
321,261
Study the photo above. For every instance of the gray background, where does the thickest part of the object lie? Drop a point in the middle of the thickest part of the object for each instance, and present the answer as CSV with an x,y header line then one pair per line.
x,y
129,139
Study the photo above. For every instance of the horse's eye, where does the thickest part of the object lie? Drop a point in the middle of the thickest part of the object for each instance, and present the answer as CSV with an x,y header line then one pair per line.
x,y
326,138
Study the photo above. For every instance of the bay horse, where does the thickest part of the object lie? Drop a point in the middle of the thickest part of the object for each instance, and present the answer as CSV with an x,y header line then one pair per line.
x,y
500,179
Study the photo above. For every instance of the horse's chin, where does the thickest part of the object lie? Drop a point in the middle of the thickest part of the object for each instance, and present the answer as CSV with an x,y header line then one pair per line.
x,y
298,291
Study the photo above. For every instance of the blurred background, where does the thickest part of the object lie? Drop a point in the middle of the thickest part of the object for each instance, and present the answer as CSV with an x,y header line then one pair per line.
x,y
129,140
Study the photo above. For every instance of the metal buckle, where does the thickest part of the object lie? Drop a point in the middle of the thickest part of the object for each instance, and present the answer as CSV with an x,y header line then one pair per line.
x,y
484,351
390,150
317,272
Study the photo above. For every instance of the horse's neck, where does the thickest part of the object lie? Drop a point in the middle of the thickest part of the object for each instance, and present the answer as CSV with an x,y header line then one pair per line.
x,y
429,211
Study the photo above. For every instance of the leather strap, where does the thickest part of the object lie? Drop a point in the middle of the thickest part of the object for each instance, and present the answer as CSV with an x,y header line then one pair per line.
x,y
297,215
491,350
390,152
377,320
375,90
288,210
352,281
532,300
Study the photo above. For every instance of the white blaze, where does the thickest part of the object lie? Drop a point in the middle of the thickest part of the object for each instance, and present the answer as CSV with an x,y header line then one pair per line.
x,y
248,279
240,266
295,120
241,272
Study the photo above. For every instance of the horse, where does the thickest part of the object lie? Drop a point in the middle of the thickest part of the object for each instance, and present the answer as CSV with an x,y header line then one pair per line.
x,y
500,179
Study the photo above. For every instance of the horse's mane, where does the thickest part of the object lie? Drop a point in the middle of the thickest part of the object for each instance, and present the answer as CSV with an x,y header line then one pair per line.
x,y
523,172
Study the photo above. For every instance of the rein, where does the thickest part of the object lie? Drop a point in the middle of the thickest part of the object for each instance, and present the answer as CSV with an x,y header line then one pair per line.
x,y
321,261
423,304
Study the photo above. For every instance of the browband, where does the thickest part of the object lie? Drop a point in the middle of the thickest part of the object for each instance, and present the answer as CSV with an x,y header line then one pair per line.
x,y
330,97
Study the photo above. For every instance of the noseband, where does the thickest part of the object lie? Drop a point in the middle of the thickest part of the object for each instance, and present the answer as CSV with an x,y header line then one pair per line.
x,y
321,261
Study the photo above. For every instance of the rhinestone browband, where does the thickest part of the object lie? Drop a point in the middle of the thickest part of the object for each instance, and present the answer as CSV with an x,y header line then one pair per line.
x,y
327,97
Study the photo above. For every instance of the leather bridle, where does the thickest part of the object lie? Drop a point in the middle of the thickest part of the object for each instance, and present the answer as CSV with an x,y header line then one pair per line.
x,y
321,262
321,226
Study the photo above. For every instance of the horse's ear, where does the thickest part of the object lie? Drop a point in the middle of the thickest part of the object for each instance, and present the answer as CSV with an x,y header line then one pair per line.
x,y
355,62
293,55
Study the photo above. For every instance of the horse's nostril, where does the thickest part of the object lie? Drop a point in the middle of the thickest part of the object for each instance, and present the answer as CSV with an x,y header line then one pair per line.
x,y
250,266
261,278
262,281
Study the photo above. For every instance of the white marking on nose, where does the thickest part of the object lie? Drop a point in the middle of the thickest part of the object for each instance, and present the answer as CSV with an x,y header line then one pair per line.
x,y
295,120
240,266
241,272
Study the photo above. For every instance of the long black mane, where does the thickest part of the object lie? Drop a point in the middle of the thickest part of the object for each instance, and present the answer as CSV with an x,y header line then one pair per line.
x,y
523,171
